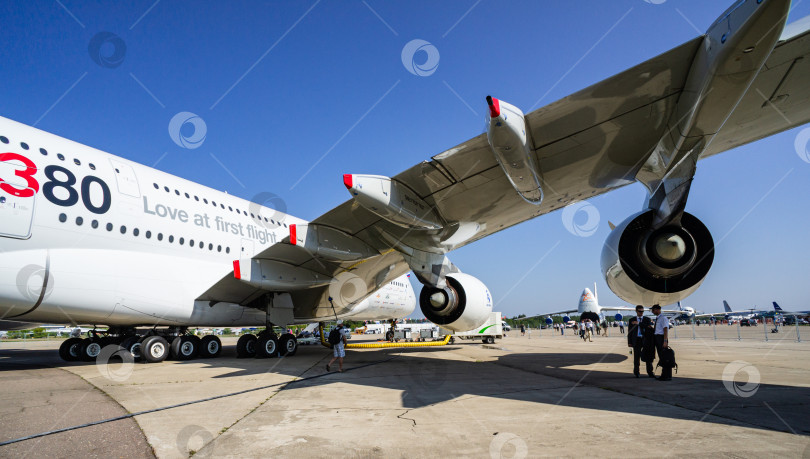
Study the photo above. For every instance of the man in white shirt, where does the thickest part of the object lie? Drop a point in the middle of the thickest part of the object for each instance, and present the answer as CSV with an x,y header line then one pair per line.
x,y
661,340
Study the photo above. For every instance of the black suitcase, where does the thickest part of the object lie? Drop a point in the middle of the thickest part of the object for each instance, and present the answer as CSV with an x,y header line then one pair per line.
x,y
667,359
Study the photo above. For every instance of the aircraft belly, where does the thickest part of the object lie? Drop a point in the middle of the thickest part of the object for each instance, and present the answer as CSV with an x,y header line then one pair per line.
x,y
114,287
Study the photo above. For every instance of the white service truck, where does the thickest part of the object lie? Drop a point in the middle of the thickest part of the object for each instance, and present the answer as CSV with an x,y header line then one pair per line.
x,y
488,333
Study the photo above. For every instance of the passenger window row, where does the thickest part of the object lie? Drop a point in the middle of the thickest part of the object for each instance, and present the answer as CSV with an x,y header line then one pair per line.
x,y
44,152
221,205
92,166
147,234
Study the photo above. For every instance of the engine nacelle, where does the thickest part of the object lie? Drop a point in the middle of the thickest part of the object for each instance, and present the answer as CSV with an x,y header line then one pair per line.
x,y
657,266
463,305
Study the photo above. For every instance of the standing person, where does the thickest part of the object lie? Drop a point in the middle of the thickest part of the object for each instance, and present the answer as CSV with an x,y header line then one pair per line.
x,y
337,339
635,340
661,340
604,328
621,326
522,330
562,329
589,331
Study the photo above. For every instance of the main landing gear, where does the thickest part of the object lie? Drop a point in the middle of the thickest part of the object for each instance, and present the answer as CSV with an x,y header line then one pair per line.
x,y
267,344
153,346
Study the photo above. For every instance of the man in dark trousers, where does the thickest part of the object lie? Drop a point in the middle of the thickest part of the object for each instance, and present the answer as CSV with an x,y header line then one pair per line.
x,y
635,339
661,340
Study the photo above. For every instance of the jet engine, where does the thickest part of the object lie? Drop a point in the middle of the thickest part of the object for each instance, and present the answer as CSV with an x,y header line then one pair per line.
x,y
463,305
647,266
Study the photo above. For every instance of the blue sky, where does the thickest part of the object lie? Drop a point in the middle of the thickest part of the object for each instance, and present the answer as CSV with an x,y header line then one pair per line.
x,y
295,94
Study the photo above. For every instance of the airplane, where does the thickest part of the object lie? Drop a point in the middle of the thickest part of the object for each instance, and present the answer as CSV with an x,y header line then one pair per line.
x,y
96,239
730,313
778,310
589,307
687,311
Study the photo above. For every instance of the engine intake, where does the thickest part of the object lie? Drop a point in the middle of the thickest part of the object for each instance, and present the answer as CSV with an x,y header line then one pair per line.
x,y
650,266
463,305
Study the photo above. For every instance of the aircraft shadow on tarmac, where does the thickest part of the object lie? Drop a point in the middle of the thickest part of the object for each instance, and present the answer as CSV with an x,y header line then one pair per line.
x,y
555,381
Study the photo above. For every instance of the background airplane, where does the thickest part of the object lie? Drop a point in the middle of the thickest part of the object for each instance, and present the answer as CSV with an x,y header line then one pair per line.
x,y
778,310
589,307
729,313
686,312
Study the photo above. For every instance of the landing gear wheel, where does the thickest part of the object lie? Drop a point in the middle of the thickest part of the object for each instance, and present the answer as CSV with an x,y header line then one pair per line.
x,y
185,347
69,350
246,346
155,349
267,346
389,335
133,345
210,346
89,349
288,345
197,341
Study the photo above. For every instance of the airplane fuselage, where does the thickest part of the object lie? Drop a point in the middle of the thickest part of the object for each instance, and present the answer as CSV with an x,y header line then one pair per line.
x,y
90,238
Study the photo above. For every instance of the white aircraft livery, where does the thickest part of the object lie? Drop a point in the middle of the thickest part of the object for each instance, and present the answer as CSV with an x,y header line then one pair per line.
x,y
94,239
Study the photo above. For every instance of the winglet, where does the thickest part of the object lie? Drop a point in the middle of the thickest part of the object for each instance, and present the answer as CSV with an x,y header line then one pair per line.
x,y
292,234
348,181
237,272
611,225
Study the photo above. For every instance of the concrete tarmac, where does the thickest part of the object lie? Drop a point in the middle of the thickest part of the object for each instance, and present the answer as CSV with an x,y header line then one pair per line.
x,y
524,396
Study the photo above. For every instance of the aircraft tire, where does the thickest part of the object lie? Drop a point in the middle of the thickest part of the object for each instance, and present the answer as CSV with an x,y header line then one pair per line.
x,y
155,349
89,349
210,346
389,335
267,346
246,346
185,347
288,345
133,345
69,350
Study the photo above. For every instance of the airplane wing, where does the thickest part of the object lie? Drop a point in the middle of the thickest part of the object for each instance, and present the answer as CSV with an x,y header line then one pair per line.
x,y
570,311
586,144
731,313
633,309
